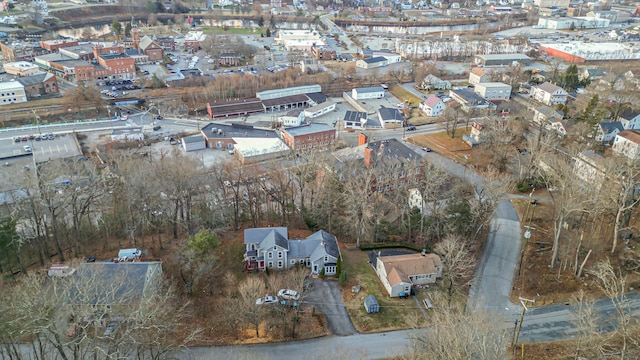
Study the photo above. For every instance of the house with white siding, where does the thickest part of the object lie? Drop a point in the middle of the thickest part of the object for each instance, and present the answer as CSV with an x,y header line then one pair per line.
x,y
478,75
493,91
627,143
550,94
630,119
433,106
271,248
398,273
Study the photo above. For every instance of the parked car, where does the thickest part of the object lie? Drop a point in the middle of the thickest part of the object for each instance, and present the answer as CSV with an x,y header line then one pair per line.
x,y
17,139
157,127
289,294
110,330
411,128
426,149
267,300
27,148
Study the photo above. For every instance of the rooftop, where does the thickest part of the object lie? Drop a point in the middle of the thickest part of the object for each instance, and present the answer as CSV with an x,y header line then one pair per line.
x,y
235,131
259,146
308,129
630,135
369,89
374,60
504,57
10,85
392,149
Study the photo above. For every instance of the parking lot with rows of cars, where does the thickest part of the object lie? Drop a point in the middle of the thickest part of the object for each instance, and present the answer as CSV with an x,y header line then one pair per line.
x,y
44,146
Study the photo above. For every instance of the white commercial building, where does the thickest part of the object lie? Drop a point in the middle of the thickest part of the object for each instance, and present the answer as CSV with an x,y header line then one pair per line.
x,y
299,39
21,68
12,92
290,91
552,3
577,23
319,110
493,91
292,118
376,92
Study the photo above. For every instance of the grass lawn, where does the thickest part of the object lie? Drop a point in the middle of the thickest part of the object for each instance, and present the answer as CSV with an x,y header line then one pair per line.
x,y
403,95
394,313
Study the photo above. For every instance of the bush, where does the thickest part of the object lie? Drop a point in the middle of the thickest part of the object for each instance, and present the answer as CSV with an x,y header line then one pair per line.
x,y
343,278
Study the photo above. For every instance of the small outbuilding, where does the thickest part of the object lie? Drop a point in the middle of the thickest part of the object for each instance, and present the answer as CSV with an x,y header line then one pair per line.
x,y
192,143
371,304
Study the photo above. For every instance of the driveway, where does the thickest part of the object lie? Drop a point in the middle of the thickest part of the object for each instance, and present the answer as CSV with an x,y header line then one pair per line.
x,y
326,296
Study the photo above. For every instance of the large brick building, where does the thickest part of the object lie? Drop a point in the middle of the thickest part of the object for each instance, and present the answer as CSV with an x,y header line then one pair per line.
x,y
42,83
309,137
396,165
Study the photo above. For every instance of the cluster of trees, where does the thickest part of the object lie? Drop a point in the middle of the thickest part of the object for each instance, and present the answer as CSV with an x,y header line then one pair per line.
x,y
50,318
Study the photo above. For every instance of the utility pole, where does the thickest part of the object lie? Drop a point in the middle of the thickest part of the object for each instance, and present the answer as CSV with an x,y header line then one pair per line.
x,y
523,301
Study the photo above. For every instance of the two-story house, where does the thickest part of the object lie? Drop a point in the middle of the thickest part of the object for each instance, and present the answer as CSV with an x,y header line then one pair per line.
x,y
606,131
271,248
630,119
432,82
309,137
433,106
627,143
549,94
478,75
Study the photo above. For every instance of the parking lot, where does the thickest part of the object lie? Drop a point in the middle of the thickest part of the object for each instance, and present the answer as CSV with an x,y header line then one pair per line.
x,y
55,146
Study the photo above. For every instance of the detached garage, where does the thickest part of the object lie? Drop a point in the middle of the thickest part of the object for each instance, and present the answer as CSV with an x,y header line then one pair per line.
x,y
193,143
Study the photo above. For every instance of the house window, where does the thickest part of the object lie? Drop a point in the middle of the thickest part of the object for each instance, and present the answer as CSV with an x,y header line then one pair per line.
x,y
270,255
279,254
270,264
326,258
292,262
280,264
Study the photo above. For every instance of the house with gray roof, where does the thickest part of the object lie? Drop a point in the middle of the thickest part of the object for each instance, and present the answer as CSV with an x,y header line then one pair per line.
x,y
630,119
271,248
373,62
606,131
390,118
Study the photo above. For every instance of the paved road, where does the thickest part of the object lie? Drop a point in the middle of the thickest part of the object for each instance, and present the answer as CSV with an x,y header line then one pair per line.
x,y
362,346
326,297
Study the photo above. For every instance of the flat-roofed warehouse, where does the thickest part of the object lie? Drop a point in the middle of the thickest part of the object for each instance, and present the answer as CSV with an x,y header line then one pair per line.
x,y
501,59
234,108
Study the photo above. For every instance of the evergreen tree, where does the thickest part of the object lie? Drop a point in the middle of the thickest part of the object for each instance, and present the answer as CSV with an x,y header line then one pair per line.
x,y
116,27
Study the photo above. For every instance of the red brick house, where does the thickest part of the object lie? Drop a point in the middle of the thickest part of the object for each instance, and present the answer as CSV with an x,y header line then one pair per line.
x,y
55,45
39,84
323,53
397,165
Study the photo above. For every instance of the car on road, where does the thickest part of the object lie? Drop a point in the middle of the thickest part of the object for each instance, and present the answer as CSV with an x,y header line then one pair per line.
x,y
267,300
289,294
426,149
411,128
26,148
159,117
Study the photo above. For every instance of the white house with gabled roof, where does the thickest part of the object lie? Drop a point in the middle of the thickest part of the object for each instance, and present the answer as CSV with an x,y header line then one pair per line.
x,y
433,106
550,94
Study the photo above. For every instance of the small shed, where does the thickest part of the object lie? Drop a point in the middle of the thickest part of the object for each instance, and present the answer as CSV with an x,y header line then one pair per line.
x,y
371,304
192,143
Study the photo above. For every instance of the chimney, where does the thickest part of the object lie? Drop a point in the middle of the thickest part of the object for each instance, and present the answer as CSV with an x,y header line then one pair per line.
x,y
362,139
